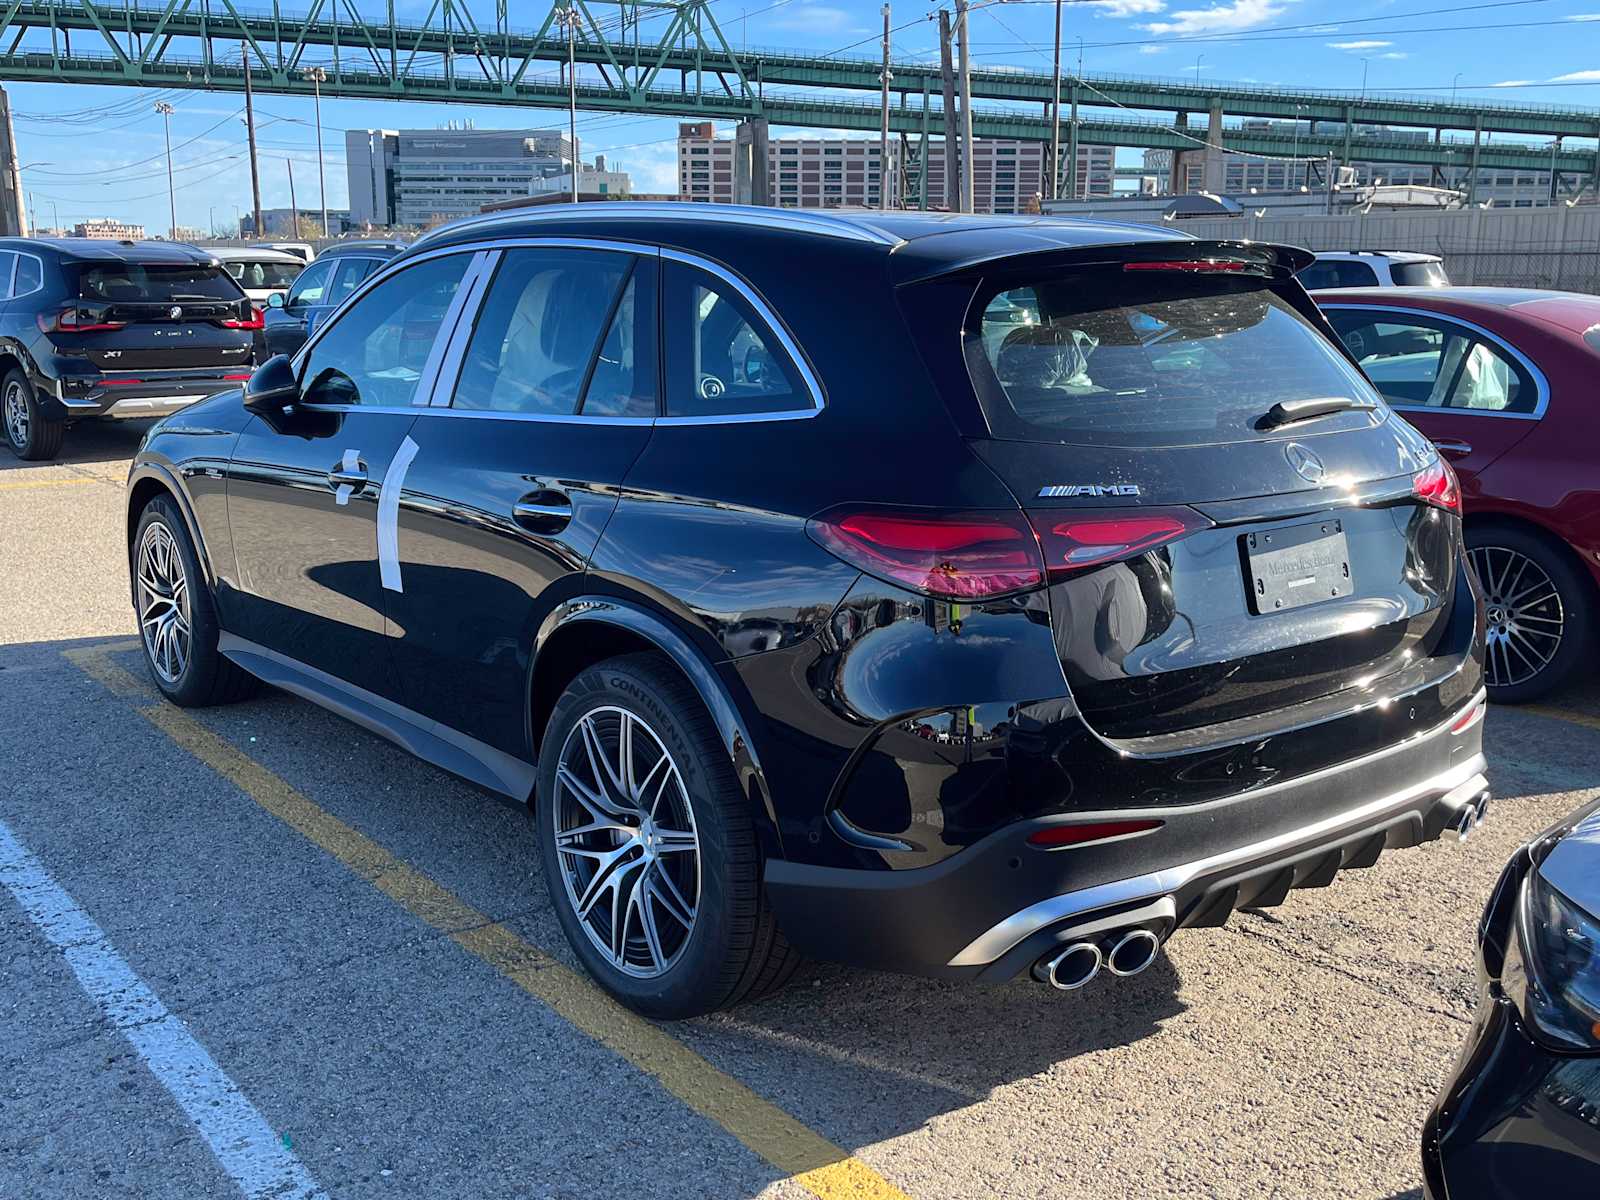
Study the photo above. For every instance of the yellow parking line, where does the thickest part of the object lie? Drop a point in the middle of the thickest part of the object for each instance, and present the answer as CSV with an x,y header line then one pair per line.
x,y
1561,714
43,483
822,1168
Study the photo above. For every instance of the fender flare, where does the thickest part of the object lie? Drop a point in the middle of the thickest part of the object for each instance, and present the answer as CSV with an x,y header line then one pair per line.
x,y
732,729
144,469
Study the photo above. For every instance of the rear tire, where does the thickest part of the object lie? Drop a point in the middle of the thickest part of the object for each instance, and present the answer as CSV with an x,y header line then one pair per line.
x,y
30,435
1540,610
592,820
177,619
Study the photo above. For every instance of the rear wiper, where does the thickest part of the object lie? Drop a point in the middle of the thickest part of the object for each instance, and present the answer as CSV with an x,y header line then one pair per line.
x,y
1287,412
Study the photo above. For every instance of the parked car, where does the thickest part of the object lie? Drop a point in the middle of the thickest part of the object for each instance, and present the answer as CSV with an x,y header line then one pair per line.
x,y
261,273
1502,380
319,289
1519,1116
1374,268
301,250
815,620
92,329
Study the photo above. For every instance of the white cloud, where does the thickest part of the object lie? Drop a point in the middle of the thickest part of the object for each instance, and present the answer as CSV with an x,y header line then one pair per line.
x,y
1578,77
1512,83
1150,49
1584,17
1219,18
1323,29
1395,54
1358,45
1126,8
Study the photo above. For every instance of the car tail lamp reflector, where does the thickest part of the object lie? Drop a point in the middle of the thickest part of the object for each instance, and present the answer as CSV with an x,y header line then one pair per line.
x,y
954,556
1077,540
72,320
1437,485
253,319
236,378
1469,716
1193,266
1054,837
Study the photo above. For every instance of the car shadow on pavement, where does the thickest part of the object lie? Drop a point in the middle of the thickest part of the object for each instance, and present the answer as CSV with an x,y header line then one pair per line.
x,y
86,443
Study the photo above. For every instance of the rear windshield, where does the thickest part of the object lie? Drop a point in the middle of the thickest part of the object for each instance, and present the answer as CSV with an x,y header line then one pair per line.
x,y
1150,359
1419,274
156,283
257,275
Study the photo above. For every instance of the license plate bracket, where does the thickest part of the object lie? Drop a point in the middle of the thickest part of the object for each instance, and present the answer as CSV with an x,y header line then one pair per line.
x,y
1296,565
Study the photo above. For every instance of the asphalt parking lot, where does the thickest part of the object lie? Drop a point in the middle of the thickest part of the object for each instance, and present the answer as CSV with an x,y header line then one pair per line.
x,y
258,942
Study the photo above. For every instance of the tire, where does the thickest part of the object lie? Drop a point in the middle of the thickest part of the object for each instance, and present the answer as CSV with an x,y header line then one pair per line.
x,y
1540,610
731,950
171,592
29,434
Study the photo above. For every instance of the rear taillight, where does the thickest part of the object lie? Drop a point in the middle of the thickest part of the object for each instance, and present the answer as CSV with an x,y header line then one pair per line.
x,y
1055,837
1437,485
955,556
1073,541
253,319
72,320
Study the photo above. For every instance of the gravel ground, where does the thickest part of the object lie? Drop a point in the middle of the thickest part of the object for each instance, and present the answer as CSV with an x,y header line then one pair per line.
x,y
1292,1053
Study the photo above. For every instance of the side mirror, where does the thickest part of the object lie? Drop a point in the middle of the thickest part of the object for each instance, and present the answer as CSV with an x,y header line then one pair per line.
x,y
276,300
273,386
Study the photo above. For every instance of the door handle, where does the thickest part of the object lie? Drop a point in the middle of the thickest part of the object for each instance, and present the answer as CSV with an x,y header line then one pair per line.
x,y
543,512
1452,446
347,477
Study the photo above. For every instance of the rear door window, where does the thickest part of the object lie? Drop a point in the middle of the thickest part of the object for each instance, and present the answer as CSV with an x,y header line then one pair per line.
x,y
1427,362
1152,358
348,277
155,283
722,358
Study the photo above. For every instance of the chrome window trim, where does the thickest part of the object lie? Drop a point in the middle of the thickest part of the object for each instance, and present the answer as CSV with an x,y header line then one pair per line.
x,y
677,210
779,331
1541,384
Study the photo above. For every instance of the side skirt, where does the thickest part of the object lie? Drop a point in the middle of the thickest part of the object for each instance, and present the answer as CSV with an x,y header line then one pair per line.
x,y
446,748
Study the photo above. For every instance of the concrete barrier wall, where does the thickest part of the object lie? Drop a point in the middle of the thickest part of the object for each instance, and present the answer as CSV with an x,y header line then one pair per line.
x,y
1543,247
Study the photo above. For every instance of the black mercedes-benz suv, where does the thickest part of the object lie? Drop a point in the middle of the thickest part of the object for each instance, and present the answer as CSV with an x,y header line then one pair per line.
x,y
969,596
112,329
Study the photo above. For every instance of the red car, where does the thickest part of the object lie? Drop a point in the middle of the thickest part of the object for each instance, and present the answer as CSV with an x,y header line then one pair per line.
x,y
1506,382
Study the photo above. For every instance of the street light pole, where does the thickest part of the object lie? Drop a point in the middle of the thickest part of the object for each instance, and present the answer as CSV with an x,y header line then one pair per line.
x,y
1054,190
166,110
569,18
884,174
318,77
1197,61
964,77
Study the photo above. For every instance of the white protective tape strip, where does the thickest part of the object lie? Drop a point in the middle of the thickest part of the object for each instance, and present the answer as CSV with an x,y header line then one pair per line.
x,y
240,1137
389,515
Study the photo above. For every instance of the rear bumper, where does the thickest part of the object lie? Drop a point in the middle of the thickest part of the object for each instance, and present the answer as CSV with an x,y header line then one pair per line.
x,y
156,398
991,911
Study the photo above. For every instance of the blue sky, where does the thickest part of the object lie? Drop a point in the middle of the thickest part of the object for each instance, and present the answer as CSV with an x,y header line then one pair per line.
x,y
95,151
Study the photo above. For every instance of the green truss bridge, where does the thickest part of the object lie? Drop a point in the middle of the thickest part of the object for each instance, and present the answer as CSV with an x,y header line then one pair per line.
x,y
670,57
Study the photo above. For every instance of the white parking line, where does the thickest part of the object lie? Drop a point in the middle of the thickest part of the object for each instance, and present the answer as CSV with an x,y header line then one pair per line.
x,y
237,1133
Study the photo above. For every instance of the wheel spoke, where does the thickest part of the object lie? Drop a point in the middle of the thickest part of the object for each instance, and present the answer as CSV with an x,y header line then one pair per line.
x,y
598,806
670,898
675,841
639,899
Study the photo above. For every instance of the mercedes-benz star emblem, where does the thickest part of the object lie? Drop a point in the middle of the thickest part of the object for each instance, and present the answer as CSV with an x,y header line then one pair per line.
x,y
174,312
1306,464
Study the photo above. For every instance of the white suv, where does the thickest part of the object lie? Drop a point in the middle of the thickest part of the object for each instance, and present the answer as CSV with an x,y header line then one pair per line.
x,y
1374,268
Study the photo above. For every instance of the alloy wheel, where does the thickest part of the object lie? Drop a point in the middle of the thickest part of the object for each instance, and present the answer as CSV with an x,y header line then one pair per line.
x,y
1526,618
626,841
16,414
164,617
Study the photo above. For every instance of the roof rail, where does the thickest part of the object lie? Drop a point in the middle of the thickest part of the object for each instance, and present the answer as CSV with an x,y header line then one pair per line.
x,y
823,224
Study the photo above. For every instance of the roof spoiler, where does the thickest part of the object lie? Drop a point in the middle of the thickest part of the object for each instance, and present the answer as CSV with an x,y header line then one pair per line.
x,y
1191,255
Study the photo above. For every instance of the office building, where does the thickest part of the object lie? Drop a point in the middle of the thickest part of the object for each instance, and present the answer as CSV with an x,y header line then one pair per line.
x,y
420,177
108,229
1009,176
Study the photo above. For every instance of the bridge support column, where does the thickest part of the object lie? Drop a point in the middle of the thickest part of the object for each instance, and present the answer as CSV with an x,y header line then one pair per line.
x,y
1215,171
751,171
1477,143
13,216
1177,184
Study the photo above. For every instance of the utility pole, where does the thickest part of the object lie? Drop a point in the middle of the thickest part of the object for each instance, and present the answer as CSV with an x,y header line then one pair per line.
x,y
250,130
965,88
884,174
166,110
294,207
952,153
1054,188
570,18
1076,139
318,77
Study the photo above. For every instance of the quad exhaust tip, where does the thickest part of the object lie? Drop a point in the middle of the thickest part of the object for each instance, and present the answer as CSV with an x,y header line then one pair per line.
x,y
1133,952
1069,969
1472,814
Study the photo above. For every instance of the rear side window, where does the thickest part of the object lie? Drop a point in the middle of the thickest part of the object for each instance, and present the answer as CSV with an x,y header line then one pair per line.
x,y
1429,362
1419,274
30,275
535,340
722,357
1337,273
1149,358
155,283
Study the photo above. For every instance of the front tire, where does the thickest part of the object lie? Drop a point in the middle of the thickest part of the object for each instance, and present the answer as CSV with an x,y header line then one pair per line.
x,y
648,846
30,435
1539,609
177,620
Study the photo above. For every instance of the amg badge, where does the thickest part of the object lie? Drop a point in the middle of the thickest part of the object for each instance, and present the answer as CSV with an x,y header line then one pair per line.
x,y
1090,489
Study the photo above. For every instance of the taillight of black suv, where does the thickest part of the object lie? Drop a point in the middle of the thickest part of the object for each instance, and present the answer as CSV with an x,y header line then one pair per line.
x,y
1050,588
118,330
